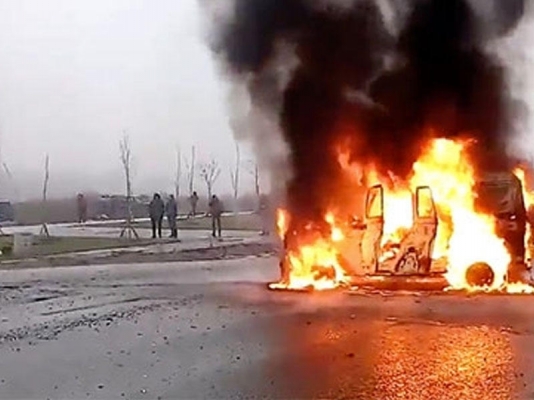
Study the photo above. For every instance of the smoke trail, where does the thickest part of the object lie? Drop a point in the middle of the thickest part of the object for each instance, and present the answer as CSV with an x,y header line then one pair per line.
x,y
348,73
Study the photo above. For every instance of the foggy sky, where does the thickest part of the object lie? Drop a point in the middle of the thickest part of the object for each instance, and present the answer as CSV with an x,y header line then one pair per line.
x,y
75,73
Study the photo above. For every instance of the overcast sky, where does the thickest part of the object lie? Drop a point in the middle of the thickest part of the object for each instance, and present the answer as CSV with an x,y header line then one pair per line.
x,y
75,73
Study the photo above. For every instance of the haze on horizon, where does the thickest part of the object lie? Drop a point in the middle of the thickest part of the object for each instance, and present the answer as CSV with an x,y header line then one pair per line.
x,y
75,74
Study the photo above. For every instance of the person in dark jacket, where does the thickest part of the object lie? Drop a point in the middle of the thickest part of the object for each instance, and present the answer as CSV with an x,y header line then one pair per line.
x,y
215,210
156,209
171,209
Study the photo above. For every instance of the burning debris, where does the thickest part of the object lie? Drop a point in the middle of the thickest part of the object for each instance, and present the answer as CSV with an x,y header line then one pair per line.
x,y
396,129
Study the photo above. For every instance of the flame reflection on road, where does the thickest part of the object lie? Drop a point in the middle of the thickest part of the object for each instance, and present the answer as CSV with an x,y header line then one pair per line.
x,y
383,360
434,362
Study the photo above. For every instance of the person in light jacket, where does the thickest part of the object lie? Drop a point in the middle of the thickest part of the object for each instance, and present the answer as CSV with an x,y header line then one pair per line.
x,y
193,200
171,209
82,208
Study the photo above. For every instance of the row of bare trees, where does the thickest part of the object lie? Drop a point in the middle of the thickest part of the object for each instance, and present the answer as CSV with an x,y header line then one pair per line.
x,y
210,171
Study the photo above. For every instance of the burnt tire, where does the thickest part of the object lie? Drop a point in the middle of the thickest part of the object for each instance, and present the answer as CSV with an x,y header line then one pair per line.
x,y
480,275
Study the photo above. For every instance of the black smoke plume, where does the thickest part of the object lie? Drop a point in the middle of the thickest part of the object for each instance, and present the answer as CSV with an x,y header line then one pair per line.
x,y
359,83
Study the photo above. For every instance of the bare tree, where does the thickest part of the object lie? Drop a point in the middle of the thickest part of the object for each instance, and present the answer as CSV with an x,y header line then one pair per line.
x,y
190,168
209,172
128,230
254,170
178,175
44,226
234,174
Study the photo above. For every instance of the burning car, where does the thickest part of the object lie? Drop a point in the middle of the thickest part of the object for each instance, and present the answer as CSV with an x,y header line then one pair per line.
x,y
417,112
451,230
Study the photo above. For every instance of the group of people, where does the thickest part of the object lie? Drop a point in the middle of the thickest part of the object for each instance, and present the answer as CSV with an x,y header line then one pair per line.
x,y
158,209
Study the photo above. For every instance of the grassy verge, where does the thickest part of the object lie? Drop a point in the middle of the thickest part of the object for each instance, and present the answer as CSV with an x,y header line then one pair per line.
x,y
61,245
250,222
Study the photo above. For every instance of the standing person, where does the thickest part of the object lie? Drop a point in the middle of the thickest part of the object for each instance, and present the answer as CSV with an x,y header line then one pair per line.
x,y
216,208
156,209
82,208
193,199
171,209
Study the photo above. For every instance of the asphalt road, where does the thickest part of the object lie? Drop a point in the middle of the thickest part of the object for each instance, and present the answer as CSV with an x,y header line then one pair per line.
x,y
211,330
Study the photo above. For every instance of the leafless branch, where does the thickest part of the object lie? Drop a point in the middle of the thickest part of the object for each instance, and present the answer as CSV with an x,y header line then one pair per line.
x,y
46,178
254,170
234,172
126,160
190,168
209,172
44,226
178,176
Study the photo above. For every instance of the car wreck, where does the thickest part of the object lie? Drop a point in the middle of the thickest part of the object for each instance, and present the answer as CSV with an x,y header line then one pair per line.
x,y
468,236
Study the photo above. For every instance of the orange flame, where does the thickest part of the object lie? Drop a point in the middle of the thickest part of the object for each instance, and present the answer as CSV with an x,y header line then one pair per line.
x,y
282,222
337,234
464,235
315,265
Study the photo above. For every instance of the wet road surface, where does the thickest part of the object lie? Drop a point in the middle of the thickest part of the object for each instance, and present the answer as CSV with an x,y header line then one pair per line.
x,y
211,330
